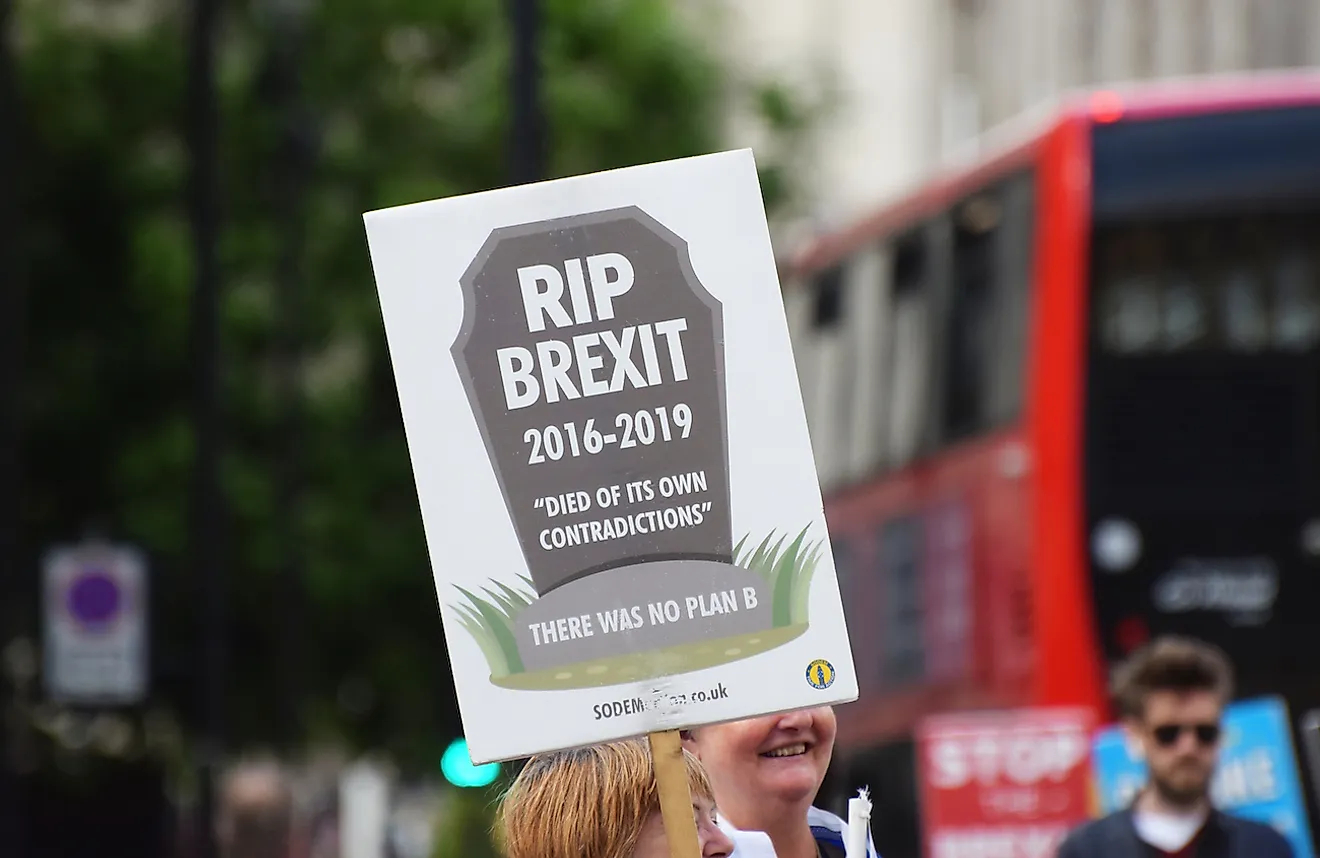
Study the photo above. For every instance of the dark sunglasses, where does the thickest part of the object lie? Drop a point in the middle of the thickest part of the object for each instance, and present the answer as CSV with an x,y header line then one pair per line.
x,y
1167,735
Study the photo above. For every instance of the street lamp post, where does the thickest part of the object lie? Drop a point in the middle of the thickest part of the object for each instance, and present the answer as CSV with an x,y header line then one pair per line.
x,y
207,507
12,594
292,175
527,130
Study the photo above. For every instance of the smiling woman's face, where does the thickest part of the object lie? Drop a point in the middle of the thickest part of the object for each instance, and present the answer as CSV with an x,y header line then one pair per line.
x,y
764,767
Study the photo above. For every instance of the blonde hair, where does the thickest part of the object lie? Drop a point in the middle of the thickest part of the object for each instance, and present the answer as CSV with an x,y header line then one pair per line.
x,y
585,803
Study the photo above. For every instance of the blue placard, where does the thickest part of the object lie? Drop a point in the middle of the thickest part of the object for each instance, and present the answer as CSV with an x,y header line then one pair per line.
x,y
1257,776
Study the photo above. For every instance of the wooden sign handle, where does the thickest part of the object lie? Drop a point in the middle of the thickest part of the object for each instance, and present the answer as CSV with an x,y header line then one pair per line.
x,y
671,780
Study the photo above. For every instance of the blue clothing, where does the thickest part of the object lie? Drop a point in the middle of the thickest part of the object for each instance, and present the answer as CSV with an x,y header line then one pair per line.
x,y
1224,836
827,828
830,829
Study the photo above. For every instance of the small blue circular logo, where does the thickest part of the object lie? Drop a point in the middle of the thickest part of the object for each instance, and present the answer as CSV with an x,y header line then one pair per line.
x,y
820,674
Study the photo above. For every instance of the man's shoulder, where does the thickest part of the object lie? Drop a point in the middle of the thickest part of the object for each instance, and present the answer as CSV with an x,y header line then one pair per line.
x,y
1094,833
1250,837
1259,838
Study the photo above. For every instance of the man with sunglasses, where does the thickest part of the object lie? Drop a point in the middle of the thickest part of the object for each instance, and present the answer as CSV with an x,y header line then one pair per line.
x,y
1171,695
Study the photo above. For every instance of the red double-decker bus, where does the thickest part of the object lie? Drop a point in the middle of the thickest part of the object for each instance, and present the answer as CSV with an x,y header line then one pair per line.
x,y
1069,398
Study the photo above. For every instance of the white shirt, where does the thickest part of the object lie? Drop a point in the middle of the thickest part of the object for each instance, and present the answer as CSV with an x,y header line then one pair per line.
x,y
1168,831
756,844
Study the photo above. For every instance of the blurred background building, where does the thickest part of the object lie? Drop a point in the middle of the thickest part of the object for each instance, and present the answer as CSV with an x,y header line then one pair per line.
x,y
911,83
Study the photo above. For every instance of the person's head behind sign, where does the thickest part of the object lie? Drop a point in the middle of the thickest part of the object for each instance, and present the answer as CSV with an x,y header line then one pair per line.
x,y
766,772
599,802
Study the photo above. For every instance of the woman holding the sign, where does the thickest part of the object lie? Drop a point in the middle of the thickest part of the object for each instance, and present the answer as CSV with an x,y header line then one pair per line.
x,y
600,802
766,773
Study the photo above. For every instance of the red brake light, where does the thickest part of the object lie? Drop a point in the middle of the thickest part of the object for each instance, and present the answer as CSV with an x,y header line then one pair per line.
x,y
1106,107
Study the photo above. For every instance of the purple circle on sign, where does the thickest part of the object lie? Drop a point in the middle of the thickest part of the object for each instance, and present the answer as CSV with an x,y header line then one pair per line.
x,y
94,598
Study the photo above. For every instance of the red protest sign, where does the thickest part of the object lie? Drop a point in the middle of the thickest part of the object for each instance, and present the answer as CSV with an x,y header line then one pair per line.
x,y
1005,784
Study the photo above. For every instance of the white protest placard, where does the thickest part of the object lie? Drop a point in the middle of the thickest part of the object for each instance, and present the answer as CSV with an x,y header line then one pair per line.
x,y
95,604
607,434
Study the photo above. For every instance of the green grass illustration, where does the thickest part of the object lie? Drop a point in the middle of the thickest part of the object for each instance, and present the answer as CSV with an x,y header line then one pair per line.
x,y
490,620
641,666
787,570
786,565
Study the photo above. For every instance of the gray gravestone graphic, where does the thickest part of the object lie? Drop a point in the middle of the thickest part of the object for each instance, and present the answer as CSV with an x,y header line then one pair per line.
x,y
593,359
664,289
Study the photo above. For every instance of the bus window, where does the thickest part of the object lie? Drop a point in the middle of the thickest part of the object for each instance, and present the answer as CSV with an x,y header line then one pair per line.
x,y
1244,310
902,651
968,346
1243,292
1201,383
1013,268
867,286
1241,285
986,339
907,366
835,389
1296,321
1186,312
857,585
1128,311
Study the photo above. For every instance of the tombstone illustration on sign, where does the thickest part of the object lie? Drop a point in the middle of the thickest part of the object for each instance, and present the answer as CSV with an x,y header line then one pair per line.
x,y
593,359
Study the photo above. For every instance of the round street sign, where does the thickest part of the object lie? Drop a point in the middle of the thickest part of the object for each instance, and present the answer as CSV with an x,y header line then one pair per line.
x,y
93,599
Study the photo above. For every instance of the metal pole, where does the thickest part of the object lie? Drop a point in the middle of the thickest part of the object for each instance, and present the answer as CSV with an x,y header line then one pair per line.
x,y
203,131
291,182
12,594
527,144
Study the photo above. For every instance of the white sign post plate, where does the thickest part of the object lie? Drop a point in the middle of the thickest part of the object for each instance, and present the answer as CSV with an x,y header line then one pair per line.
x,y
95,599
611,455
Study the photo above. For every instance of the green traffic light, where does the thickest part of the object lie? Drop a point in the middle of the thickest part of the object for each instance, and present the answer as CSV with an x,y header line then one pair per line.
x,y
456,765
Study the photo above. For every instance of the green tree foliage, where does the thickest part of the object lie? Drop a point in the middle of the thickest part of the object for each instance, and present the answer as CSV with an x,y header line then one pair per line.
x,y
407,99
